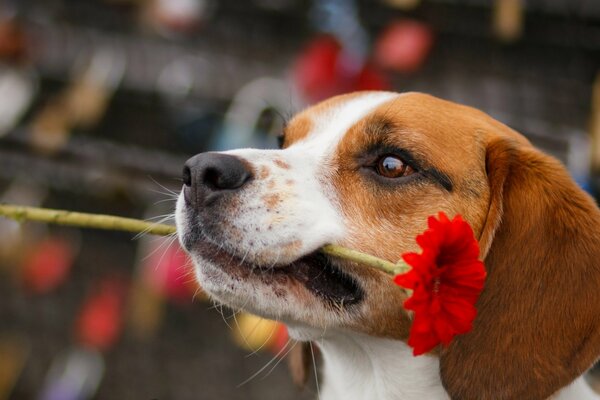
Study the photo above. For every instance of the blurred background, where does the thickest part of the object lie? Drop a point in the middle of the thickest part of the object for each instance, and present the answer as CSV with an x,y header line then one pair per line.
x,y
102,101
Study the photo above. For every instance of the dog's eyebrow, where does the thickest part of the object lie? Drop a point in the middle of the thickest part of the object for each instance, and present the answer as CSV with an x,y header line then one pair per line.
x,y
378,126
440,178
431,172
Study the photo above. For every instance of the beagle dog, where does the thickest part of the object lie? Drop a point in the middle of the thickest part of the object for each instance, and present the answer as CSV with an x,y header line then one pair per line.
x,y
365,170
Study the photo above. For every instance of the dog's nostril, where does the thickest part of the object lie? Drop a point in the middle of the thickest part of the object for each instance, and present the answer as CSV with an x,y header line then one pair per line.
x,y
186,176
212,178
232,177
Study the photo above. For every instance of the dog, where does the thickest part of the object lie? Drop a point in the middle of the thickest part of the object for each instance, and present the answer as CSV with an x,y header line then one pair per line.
x,y
365,170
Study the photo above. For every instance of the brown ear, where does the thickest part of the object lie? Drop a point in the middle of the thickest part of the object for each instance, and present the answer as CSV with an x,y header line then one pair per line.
x,y
538,323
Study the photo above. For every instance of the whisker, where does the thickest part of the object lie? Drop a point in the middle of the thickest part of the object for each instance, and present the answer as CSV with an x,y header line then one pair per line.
x,y
244,336
266,340
162,186
213,307
169,244
267,364
165,218
196,293
173,199
312,353
162,244
170,194
279,361
245,255
220,309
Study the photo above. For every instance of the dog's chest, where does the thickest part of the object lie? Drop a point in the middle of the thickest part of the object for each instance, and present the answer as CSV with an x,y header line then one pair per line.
x,y
359,367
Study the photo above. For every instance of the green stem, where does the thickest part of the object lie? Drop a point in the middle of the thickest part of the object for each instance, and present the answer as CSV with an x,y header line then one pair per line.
x,y
365,259
83,220
110,222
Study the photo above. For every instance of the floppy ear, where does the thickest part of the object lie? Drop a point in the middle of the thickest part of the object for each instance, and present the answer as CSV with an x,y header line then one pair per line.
x,y
538,322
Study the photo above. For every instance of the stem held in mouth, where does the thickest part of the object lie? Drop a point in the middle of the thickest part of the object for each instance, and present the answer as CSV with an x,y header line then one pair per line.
x,y
110,222
366,259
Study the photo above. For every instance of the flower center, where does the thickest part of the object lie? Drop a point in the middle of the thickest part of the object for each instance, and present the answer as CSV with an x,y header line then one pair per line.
x,y
436,285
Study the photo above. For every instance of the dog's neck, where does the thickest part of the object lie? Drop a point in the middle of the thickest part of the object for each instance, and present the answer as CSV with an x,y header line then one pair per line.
x,y
363,367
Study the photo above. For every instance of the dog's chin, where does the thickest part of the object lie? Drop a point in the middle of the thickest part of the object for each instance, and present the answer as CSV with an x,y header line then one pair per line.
x,y
291,292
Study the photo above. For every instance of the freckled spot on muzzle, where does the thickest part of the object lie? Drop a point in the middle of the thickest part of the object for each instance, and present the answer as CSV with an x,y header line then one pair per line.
x,y
264,172
281,164
271,200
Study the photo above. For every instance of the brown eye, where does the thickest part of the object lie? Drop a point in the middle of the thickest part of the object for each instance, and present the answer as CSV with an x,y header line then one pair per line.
x,y
392,167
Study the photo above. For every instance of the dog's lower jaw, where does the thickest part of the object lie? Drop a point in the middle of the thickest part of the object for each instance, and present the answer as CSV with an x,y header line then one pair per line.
x,y
358,367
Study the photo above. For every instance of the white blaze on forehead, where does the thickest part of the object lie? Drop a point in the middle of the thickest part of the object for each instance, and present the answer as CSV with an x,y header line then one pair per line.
x,y
330,126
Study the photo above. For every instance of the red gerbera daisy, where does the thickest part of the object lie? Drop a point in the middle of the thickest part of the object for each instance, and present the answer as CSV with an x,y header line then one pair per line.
x,y
446,279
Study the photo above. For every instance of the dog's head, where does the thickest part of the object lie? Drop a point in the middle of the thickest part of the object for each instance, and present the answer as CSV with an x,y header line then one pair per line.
x,y
365,171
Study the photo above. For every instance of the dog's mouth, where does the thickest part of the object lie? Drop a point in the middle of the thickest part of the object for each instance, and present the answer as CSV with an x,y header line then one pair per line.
x,y
315,271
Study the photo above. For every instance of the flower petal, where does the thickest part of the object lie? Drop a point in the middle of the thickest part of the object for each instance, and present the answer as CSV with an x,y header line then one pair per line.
x,y
446,279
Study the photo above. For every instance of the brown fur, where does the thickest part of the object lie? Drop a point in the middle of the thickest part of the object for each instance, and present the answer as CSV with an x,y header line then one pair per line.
x,y
538,326
281,164
297,130
299,361
271,200
264,172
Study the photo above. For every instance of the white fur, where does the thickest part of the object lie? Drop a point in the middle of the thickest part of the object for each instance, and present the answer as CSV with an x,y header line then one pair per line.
x,y
358,367
578,390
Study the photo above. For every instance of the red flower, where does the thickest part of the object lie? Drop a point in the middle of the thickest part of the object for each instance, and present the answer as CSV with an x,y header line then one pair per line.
x,y
446,279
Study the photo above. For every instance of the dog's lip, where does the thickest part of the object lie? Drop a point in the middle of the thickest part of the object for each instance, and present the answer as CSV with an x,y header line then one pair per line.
x,y
315,271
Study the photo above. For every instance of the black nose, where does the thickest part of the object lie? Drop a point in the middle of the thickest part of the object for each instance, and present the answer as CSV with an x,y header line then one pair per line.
x,y
207,176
